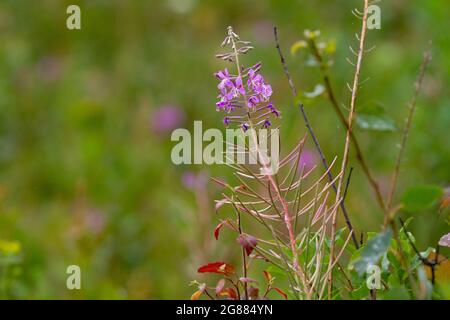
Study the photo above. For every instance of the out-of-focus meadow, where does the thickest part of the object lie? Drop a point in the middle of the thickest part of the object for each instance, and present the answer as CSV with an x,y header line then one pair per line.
x,y
86,116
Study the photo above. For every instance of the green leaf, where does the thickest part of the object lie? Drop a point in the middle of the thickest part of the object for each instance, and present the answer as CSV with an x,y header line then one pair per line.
x,y
375,122
421,197
276,271
360,293
373,251
397,293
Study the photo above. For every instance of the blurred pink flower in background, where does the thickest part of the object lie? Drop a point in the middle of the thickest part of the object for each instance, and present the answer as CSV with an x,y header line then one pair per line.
x,y
308,159
192,180
167,118
95,220
49,68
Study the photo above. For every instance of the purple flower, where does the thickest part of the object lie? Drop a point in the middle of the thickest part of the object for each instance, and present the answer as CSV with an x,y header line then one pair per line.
x,y
253,101
267,123
256,83
226,121
255,80
236,88
245,127
222,103
225,82
167,118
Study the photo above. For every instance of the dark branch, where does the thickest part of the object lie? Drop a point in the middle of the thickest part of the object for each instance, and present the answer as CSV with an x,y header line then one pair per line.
x,y
314,137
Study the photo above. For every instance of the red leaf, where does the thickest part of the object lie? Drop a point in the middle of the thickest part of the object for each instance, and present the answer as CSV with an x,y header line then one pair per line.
x,y
248,242
281,292
217,267
217,229
229,292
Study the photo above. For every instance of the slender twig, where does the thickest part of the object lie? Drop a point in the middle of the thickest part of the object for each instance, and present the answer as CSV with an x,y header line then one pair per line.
x,y
313,135
244,259
359,155
429,263
411,109
347,138
347,184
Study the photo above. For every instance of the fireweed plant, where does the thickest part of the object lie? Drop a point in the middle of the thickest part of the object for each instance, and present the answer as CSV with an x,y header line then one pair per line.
x,y
293,216
275,201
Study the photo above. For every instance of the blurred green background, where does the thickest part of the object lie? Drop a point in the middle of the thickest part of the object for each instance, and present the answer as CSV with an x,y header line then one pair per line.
x,y
86,116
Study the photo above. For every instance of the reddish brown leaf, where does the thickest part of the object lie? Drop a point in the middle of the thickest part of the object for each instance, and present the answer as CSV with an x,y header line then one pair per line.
x,y
253,292
217,267
230,293
248,242
281,292
267,275
196,295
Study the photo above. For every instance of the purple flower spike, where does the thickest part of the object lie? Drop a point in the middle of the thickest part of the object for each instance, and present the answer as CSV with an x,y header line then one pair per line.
x,y
246,93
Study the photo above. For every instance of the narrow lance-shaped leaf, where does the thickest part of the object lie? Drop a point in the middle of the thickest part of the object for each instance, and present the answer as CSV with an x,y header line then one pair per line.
x,y
281,292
